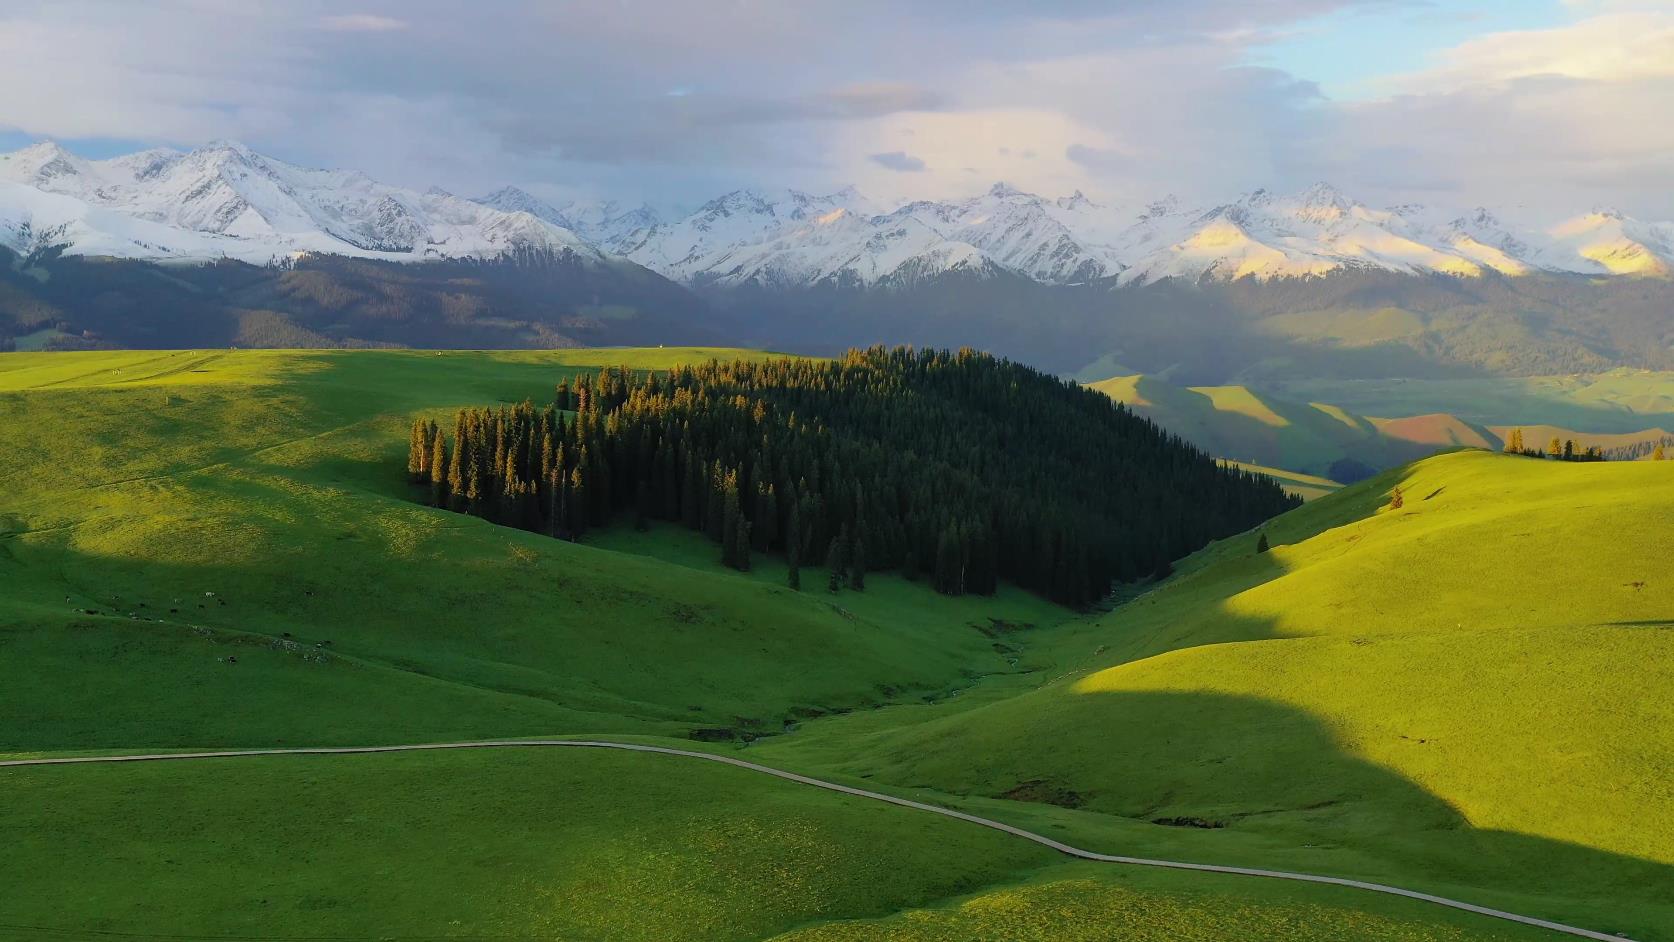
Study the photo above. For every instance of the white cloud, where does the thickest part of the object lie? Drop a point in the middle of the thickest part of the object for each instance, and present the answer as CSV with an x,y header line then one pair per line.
x,y
899,161
1610,47
363,23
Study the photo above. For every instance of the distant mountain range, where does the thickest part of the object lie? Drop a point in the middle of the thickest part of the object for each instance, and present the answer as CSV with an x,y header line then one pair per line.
x,y
791,239
224,245
226,201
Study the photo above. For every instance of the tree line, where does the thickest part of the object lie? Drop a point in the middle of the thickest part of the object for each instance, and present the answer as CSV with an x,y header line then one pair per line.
x,y
1558,449
959,468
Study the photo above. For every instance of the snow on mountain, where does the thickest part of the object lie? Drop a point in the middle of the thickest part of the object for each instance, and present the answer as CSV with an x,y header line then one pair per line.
x,y
703,246
1606,242
846,249
1022,232
226,201
604,223
1320,230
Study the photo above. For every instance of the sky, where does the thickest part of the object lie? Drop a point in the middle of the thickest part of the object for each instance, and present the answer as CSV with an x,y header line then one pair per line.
x,y
1532,107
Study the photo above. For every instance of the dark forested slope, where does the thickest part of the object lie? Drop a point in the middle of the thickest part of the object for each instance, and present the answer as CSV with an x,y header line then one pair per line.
x,y
963,467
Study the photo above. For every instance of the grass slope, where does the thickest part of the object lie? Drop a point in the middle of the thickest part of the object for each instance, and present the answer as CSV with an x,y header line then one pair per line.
x,y
1242,424
1305,486
1472,688
1617,401
270,480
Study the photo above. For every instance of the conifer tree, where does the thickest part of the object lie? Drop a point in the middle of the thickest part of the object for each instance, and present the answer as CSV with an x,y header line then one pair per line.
x,y
474,492
730,529
741,541
417,452
1656,453
438,470
793,546
837,559
857,557
1261,544
456,463
578,505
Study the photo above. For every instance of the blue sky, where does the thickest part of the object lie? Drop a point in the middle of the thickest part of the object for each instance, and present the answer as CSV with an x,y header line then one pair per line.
x,y
1351,51
1549,105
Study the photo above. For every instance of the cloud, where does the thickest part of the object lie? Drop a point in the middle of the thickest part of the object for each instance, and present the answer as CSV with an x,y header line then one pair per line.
x,y
1610,47
362,23
1124,100
898,160
1098,158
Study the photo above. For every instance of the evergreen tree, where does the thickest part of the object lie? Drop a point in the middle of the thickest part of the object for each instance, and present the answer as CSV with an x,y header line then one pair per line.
x,y
456,464
837,559
741,540
730,517
474,500
1261,544
438,470
1569,449
417,452
578,506
857,557
793,547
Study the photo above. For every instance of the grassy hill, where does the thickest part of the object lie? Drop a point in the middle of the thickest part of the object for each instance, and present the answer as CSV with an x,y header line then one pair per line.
x,y
1614,401
1473,687
207,549
204,504
1305,486
1246,425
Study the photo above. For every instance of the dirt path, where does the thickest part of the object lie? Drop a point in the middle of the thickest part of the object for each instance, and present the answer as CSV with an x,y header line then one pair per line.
x,y
860,793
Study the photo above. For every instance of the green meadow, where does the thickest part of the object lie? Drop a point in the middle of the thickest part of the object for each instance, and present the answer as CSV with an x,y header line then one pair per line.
x,y
1467,694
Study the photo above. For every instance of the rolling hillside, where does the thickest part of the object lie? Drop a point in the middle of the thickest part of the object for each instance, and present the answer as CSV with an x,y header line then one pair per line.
x,y
217,549
1471,687
1242,424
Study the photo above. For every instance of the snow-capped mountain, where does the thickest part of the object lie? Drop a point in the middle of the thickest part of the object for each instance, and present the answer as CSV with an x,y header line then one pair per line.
x,y
711,244
605,223
226,201
1023,232
793,239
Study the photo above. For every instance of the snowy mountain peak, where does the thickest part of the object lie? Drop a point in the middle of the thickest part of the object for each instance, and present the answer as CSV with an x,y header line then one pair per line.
x,y
1075,201
225,200
1323,194
1003,190
41,165
1167,206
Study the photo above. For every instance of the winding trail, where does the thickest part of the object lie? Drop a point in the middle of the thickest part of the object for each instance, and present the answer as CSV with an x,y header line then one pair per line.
x,y
858,792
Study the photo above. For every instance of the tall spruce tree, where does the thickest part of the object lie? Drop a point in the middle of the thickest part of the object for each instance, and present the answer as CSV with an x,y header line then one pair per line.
x,y
857,557
837,559
793,546
438,470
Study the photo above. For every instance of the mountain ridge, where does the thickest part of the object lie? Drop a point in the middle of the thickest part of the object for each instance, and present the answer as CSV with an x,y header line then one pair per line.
x,y
225,200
